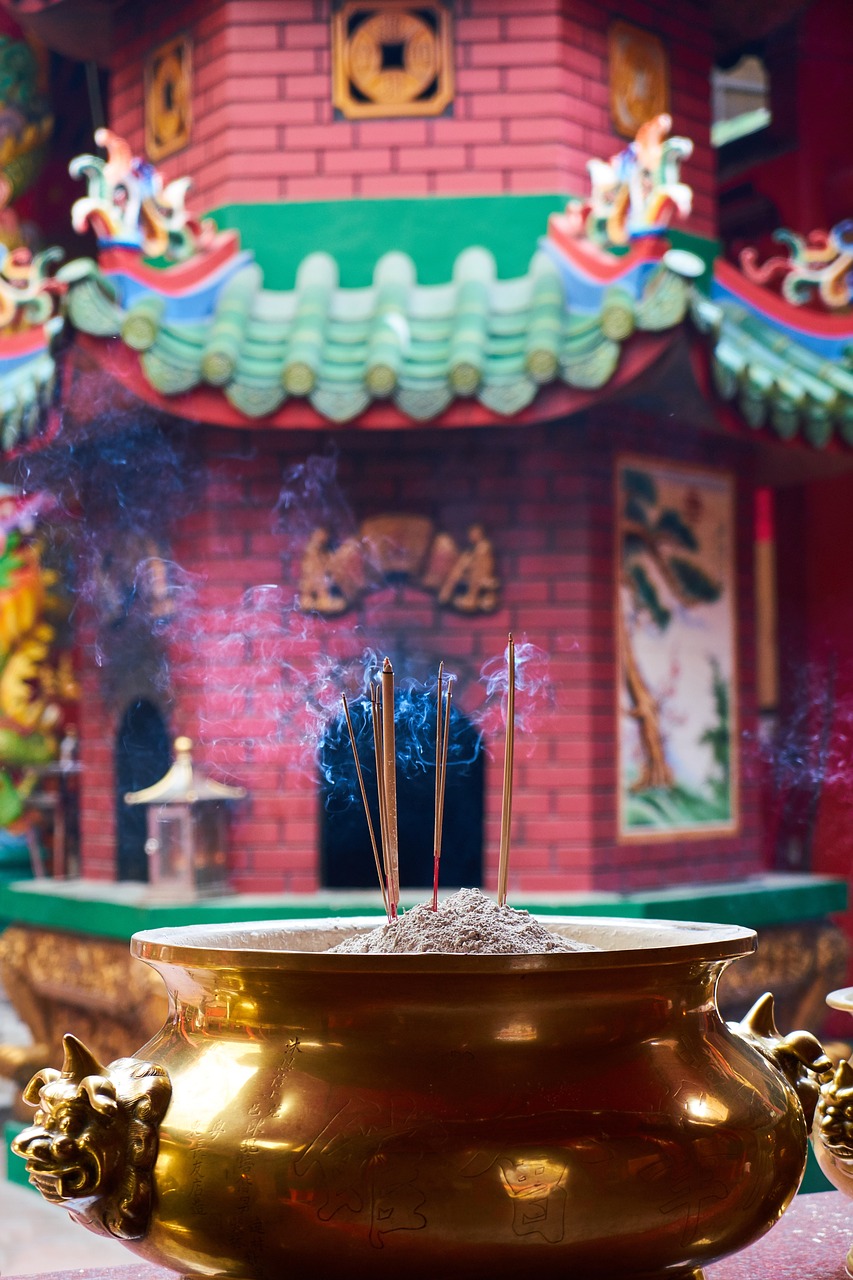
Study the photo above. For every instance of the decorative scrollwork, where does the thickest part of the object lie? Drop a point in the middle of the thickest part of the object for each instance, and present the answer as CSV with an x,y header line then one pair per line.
x,y
28,292
816,267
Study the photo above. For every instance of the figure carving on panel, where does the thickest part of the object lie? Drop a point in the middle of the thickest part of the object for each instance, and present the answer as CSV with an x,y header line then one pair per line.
x,y
472,585
393,548
331,578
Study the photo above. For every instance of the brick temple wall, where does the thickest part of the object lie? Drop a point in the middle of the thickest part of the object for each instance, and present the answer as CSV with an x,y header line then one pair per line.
x,y
531,105
242,664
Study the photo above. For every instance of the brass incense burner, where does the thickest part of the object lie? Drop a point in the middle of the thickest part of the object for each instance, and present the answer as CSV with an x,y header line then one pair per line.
x,y
583,1114
832,1136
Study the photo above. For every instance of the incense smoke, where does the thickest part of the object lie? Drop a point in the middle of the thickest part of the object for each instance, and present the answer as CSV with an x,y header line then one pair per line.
x,y
535,692
415,709
116,497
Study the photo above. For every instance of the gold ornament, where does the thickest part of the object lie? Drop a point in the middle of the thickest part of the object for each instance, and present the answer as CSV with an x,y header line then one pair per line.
x,y
391,59
168,98
639,77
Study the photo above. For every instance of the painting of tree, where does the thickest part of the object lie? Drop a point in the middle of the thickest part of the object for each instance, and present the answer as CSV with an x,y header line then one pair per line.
x,y
676,646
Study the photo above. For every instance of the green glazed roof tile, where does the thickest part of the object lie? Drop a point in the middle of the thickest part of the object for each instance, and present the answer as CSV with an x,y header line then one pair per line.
x,y
421,346
798,383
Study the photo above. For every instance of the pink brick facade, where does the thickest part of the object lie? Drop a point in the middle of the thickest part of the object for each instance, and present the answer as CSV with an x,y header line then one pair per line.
x,y
239,663
531,107
531,103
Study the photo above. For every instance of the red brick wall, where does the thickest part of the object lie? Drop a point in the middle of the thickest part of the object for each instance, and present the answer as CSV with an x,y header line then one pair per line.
x,y
242,666
97,744
531,102
811,817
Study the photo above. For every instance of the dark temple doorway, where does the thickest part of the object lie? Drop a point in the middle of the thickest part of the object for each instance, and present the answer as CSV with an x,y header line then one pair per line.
x,y
346,856
142,756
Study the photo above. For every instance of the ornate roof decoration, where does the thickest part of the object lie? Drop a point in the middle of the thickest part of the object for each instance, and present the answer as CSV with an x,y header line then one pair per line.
x,y
128,205
780,365
29,327
815,269
202,337
183,783
637,192
207,323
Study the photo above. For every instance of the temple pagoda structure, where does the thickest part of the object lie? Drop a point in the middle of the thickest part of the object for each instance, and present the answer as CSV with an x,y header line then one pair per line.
x,y
394,328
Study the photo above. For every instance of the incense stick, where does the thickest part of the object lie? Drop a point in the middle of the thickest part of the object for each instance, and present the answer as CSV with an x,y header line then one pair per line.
x,y
389,758
380,785
442,735
436,834
506,807
364,801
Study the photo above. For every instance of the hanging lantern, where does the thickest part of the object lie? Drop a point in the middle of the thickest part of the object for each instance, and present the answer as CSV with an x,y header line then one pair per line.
x,y
187,843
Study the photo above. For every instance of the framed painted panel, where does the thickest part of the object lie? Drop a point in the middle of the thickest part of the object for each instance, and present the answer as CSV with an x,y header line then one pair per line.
x,y
676,616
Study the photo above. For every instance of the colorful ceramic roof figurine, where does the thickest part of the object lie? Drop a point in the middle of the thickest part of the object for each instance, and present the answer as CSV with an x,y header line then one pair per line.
x,y
128,205
30,323
637,192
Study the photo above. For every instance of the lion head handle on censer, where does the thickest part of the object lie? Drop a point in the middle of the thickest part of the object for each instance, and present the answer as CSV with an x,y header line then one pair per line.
x,y
832,1136
93,1141
799,1056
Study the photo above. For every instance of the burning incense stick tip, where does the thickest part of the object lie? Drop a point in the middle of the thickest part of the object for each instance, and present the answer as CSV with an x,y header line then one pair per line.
x,y
506,806
389,769
442,727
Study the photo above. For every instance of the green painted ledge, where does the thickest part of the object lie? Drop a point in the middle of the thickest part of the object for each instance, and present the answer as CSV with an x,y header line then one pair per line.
x,y
119,910
433,230
16,1170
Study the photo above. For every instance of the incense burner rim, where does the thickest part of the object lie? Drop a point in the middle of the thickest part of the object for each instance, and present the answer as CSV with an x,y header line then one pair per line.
x,y
643,942
841,999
